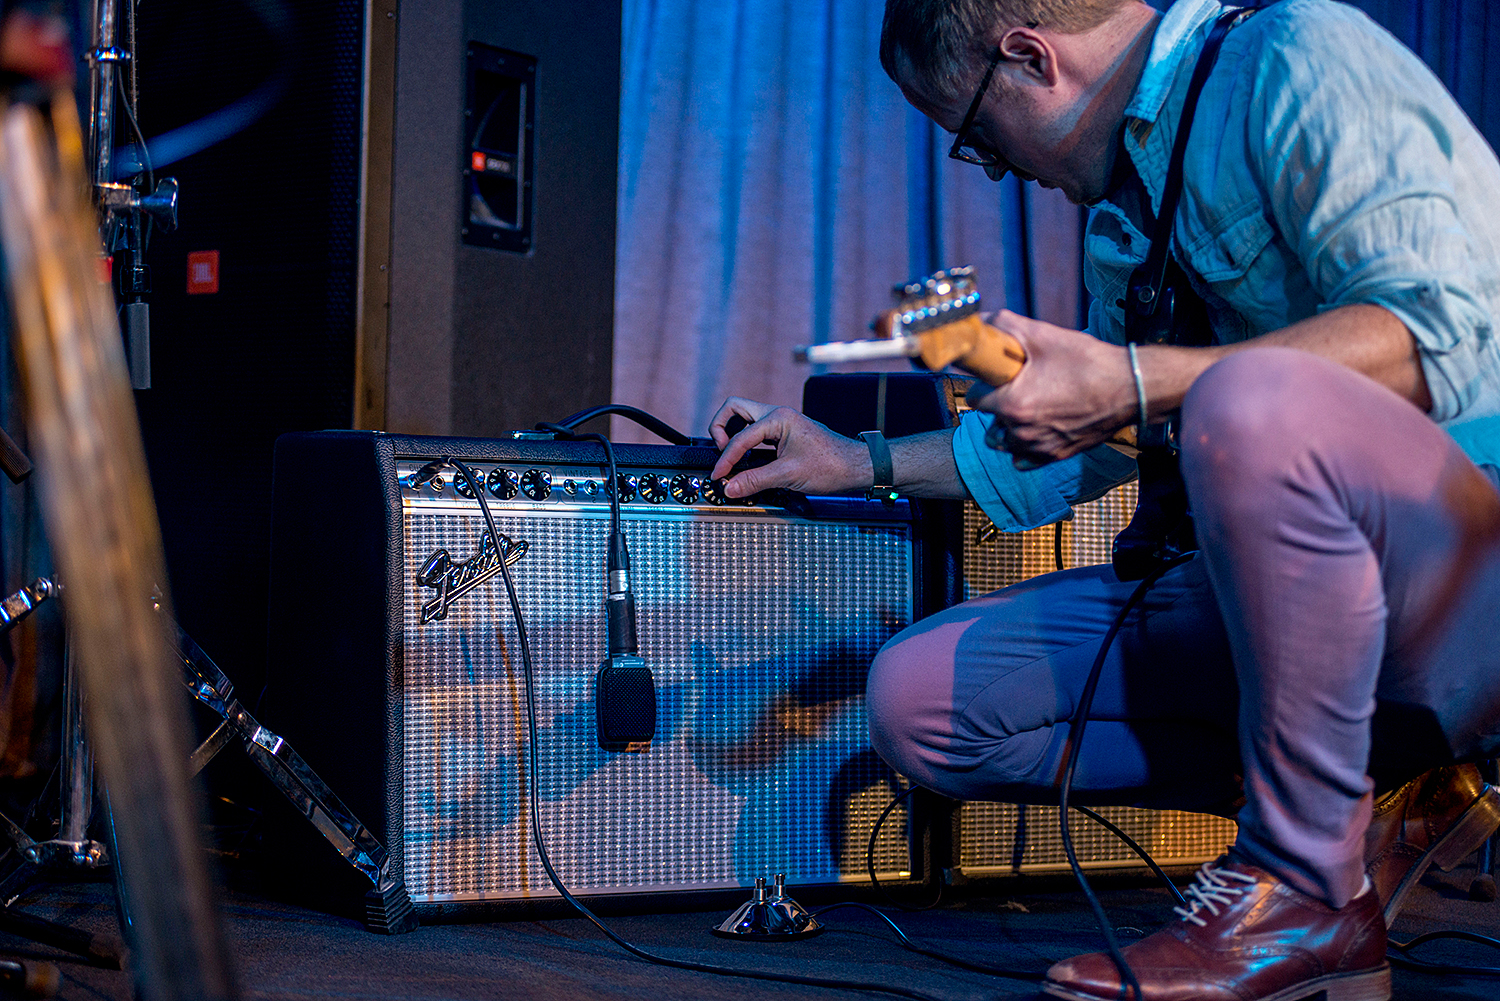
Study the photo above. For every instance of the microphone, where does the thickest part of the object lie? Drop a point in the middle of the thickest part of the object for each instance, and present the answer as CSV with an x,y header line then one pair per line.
x,y
624,688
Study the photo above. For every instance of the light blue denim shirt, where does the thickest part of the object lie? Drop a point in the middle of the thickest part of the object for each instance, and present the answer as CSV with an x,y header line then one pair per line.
x,y
1327,166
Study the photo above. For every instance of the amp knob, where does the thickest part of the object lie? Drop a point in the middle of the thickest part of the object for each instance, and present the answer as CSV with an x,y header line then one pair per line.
x,y
713,492
653,488
685,488
536,484
502,483
627,487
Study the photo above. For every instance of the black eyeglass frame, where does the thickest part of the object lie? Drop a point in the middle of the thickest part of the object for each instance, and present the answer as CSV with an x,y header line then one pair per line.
x,y
961,138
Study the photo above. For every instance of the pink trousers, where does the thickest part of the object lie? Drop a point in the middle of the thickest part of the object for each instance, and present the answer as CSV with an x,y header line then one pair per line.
x,y
1341,626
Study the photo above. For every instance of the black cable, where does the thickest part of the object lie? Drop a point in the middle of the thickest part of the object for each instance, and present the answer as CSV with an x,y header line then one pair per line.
x,y
1075,743
534,792
143,154
144,157
906,943
1396,953
144,160
1018,843
1130,843
619,602
646,420
870,858
613,489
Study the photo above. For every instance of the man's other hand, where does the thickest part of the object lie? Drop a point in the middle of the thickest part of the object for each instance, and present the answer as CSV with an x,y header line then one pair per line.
x,y
809,458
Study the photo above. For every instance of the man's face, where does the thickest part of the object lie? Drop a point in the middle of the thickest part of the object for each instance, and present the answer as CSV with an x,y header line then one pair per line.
x,y
1038,129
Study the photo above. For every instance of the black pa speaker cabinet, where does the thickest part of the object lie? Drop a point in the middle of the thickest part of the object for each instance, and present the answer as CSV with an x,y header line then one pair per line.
x,y
269,346
397,667
989,835
499,214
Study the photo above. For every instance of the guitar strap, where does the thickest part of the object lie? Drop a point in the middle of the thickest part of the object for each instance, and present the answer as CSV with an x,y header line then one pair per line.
x,y
1144,300
1162,308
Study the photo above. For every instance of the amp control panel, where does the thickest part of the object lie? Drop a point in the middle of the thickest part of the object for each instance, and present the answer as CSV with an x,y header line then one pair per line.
x,y
527,484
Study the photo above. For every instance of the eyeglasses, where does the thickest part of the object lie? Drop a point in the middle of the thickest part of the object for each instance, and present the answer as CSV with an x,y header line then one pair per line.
x,y
993,163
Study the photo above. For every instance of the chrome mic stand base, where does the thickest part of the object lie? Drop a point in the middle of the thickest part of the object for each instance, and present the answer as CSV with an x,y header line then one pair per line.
x,y
71,855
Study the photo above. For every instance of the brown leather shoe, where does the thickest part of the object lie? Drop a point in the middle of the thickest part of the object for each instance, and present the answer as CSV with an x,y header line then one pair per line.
x,y
1436,819
1247,936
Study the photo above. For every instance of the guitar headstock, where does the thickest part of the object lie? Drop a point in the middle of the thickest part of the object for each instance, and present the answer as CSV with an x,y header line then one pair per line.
x,y
936,324
941,298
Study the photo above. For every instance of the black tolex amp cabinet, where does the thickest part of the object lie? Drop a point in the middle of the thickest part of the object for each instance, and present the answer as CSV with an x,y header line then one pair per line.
x,y
396,668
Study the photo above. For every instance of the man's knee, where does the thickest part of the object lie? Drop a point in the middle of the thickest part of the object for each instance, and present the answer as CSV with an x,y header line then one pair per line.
x,y
1249,400
894,698
923,726
914,719
1250,418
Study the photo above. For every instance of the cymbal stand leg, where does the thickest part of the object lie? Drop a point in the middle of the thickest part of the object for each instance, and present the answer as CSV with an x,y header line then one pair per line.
x,y
388,907
71,852
72,849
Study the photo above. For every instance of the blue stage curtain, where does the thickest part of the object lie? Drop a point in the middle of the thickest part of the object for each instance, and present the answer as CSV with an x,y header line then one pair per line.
x,y
774,185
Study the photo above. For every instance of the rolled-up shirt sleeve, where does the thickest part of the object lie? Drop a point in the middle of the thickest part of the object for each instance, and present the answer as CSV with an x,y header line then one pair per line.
x,y
1016,499
1452,330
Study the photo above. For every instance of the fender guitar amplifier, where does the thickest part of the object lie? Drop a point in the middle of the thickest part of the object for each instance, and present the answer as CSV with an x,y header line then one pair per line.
x,y
396,666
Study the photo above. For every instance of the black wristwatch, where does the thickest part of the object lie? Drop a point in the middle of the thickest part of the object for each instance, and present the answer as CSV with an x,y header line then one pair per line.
x,y
884,488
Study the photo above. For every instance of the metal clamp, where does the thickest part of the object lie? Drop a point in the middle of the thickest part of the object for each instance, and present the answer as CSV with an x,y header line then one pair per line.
x,y
160,204
109,54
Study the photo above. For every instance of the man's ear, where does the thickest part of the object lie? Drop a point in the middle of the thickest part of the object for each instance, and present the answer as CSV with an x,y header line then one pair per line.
x,y
1030,54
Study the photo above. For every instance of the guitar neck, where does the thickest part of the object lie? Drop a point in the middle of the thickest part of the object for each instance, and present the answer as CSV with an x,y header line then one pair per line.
x,y
984,351
974,346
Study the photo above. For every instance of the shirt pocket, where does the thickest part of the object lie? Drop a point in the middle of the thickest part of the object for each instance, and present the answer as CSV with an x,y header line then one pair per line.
x,y
1228,251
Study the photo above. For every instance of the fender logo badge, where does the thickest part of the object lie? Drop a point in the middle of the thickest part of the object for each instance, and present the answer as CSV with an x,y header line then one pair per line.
x,y
452,579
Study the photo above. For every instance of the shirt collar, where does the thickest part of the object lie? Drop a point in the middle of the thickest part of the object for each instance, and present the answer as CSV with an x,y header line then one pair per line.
x,y
1175,45
1175,41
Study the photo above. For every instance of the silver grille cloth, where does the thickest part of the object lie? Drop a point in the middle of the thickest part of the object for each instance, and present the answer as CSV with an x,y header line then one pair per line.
x,y
1172,837
759,629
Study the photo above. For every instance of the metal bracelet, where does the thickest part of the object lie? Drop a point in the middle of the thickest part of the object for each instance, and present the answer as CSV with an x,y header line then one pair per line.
x,y
1140,394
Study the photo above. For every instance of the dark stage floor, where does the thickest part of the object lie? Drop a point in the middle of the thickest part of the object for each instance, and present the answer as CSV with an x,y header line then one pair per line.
x,y
285,951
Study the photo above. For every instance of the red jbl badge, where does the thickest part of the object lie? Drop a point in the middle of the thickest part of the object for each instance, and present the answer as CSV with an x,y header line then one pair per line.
x,y
203,272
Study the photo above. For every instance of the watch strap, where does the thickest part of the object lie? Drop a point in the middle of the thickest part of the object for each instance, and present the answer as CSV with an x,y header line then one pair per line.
x,y
884,487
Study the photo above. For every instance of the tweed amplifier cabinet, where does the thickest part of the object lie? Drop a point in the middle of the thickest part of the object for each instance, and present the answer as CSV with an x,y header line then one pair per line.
x,y
396,666
989,835
1002,838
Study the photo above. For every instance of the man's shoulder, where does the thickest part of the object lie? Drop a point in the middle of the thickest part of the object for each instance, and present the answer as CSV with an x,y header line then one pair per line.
x,y
1312,34
1310,15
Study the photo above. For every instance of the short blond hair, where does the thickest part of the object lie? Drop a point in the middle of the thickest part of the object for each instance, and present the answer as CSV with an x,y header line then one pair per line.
x,y
941,42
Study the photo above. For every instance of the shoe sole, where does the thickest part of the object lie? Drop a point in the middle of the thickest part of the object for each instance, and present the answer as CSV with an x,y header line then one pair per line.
x,y
1372,985
1472,828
